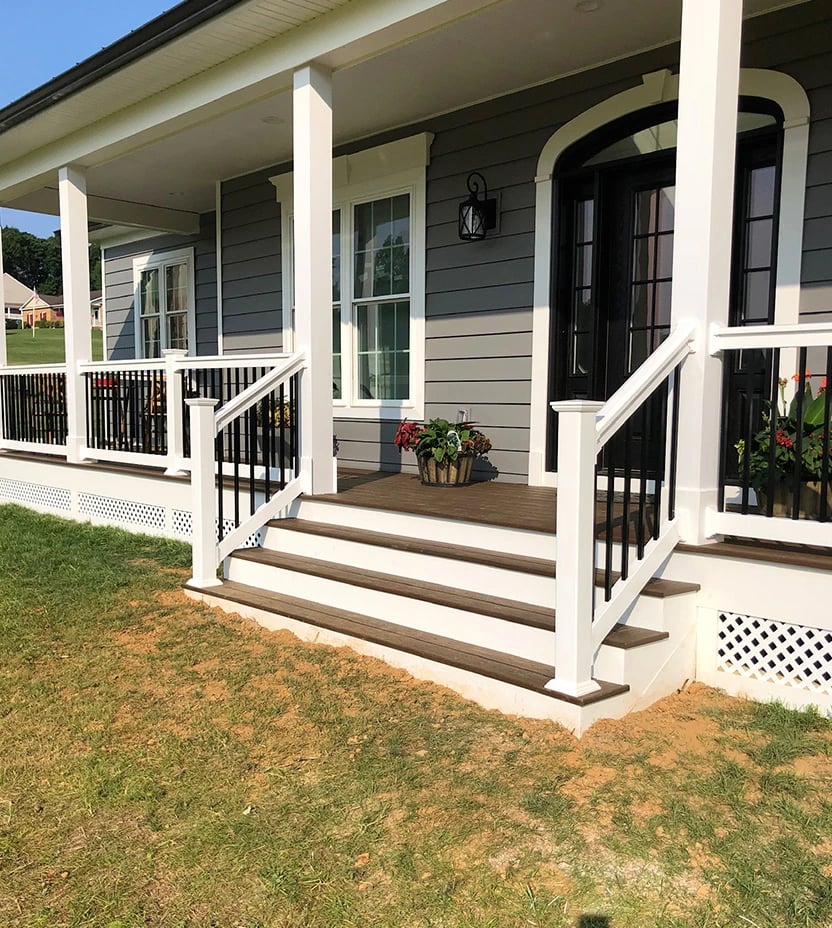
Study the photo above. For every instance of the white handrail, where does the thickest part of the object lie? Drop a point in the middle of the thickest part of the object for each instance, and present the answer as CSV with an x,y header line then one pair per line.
x,y
131,364
32,369
209,362
745,337
258,390
644,381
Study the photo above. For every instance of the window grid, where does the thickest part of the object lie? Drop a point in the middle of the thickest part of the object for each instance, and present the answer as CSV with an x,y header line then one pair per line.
x,y
651,281
581,323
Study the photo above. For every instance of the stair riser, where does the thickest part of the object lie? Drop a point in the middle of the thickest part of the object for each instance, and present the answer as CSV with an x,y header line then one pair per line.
x,y
480,578
491,538
486,631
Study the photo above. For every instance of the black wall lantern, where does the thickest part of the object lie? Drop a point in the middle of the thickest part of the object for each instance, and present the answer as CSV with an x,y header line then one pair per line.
x,y
477,215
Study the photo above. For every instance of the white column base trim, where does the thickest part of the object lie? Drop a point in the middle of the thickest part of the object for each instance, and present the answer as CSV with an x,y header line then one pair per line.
x,y
568,688
205,582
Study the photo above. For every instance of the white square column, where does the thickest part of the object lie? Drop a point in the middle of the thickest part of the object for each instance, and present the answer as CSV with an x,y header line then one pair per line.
x,y
75,254
312,127
705,164
3,356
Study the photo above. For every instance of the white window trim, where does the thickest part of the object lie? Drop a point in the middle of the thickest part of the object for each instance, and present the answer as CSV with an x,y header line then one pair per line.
x,y
384,171
660,87
158,259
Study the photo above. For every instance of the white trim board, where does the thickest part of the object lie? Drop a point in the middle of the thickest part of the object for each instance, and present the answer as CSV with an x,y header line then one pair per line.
x,y
385,170
661,87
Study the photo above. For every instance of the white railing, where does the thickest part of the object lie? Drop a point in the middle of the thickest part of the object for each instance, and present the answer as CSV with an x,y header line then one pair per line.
x,y
270,404
134,410
585,428
33,413
779,370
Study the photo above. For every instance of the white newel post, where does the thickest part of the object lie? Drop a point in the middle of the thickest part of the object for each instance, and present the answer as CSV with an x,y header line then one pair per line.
x,y
203,492
312,118
575,583
706,153
173,409
72,192
3,355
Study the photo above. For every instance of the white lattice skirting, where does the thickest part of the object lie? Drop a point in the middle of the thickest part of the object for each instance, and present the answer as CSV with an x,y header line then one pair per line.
x,y
34,494
782,653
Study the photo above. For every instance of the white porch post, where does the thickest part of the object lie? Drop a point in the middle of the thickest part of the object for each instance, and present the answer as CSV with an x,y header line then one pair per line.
x,y
3,355
203,492
312,118
706,154
72,192
575,582
174,394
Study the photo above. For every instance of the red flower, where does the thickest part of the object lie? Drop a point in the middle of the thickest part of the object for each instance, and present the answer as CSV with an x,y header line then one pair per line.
x,y
407,436
783,439
807,375
822,387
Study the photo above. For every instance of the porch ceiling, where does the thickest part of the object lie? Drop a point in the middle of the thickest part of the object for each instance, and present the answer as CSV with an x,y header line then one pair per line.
x,y
502,47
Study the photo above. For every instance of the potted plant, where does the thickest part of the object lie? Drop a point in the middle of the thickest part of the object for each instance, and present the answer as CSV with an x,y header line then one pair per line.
x,y
785,430
445,451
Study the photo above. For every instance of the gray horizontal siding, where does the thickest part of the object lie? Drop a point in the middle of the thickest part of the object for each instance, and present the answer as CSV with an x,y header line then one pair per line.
x,y
252,285
479,295
118,282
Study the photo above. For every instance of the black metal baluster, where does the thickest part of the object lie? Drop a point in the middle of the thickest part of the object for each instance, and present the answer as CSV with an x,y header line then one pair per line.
x,y
823,514
252,450
235,457
798,442
625,509
674,447
608,521
642,481
659,401
218,460
774,391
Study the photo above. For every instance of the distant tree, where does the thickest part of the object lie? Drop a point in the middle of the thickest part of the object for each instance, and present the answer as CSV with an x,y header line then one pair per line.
x,y
36,261
24,257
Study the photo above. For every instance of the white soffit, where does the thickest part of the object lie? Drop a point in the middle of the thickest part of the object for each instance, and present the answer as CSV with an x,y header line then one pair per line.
x,y
504,47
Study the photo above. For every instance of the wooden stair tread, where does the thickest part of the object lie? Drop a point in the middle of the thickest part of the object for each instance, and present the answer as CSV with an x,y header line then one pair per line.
x,y
516,562
506,668
494,606
508,610
768,552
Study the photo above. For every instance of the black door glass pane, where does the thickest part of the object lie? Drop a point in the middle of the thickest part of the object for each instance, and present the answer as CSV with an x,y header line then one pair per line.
x,y
583,269
662,311
667,209
755,307
584,220
641,307
645,212
761,193
664,262
643,258
759,243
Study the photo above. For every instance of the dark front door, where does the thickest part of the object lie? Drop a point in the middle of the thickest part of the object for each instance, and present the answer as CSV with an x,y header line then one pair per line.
x,y
614,276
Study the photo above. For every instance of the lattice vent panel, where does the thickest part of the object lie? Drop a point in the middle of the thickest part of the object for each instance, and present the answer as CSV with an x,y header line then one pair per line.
x,y
35,494
183,525
776,652
122,511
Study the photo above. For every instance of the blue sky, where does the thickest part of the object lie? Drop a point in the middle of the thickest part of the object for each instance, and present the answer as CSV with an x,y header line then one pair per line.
x,y
42,38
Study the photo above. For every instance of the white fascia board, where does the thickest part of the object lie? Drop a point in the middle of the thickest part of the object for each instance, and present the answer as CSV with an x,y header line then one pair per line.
x,y
196,99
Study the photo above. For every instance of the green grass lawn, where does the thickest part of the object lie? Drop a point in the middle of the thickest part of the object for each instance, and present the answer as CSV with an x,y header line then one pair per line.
x,y
165,766
46,346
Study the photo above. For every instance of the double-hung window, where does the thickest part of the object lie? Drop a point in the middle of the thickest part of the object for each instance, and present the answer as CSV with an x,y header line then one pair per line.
x,y
377,289
164,302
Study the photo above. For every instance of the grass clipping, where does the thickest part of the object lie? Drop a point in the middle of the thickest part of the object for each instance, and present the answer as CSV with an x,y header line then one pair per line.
x,y
165,765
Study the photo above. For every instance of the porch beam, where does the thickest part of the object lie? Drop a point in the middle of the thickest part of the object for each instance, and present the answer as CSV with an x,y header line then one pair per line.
x,y
3,355
312,142
72,191
705,164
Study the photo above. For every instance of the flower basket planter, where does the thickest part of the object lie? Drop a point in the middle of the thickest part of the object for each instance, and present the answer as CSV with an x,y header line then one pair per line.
x,y
808,504
447,474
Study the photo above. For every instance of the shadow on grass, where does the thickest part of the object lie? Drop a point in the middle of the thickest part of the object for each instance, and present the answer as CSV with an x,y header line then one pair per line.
x,y
593,921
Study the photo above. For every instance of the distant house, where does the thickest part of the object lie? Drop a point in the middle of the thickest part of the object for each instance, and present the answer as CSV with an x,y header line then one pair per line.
x,y
16,295
42,309
96,303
